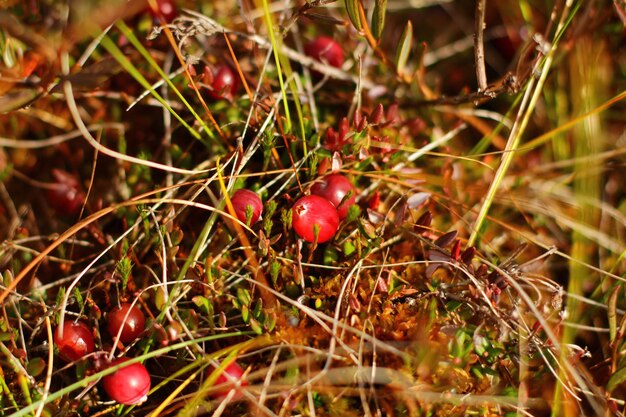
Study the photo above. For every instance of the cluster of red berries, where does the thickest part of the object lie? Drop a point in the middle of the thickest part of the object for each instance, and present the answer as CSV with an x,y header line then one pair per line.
x,y
315,217
220,80
74,340
129,384
222,83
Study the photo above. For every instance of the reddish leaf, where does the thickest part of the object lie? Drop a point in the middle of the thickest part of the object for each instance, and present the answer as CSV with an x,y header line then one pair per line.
x,y
446,239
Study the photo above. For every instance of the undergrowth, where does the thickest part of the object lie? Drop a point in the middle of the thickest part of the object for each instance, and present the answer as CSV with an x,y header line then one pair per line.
x,y
480,271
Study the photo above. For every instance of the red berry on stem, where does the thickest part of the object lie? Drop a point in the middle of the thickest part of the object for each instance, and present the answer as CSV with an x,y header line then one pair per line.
x,y
223,81
242,199
76,341
325,49
65,197
232,373
311,213
131,326
128,385
335,188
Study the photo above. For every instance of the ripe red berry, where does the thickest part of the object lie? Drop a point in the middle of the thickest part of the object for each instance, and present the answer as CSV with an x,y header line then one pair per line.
x,y
242,199
325,49
76,341
65,197
166,9
335,188
311,213
223,81
131,326
232,373
128,385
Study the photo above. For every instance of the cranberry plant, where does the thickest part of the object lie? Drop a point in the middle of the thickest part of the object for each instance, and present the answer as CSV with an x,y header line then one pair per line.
x,y
313,209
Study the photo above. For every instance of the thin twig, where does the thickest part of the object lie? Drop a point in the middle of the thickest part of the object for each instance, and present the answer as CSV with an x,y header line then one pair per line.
x,y
479,47
621,11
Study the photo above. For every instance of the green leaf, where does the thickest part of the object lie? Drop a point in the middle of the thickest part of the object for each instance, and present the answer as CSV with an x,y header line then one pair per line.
x,y
270,323
616,379
354,212
352,7
204,304
7,336
612,313
331,256
245,313
176,236
256,327
274,270
124,267
404,48
256,312
79,298
348,248
477,372
378,18
35,367
453,305
249,214
243,296
285,218
368,229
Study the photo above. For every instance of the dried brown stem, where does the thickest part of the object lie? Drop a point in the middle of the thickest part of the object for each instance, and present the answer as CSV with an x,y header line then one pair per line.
x,y
479,47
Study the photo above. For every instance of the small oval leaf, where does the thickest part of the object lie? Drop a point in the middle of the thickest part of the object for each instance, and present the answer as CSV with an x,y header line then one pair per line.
x,y
446,239
352,7
417,199
468,255
404,48
36,367
378,18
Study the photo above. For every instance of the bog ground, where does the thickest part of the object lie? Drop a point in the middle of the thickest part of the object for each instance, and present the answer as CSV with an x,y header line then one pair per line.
x,y
324,208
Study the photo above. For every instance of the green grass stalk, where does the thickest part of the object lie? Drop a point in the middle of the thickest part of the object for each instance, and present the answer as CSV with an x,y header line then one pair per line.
x,y
590,81
276,51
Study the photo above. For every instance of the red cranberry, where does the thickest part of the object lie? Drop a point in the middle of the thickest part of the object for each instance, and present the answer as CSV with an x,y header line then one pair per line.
x,y
242,199
224,82
128,385
314,212
131,326
165,9
335,188
76,342
66,198
233,372
325,49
